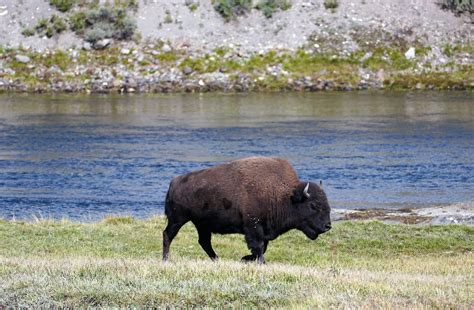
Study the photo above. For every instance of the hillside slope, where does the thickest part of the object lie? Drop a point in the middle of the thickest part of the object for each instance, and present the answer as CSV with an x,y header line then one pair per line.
x,y
173,46
203,28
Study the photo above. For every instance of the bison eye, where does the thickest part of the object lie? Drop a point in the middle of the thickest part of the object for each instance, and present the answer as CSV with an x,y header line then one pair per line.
x,y
313,206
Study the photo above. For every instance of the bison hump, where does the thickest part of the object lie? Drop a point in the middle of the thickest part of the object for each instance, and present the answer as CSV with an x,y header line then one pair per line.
x,y
267,176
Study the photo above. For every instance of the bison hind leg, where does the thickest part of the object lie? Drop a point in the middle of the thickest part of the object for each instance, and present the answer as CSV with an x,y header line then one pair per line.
x,y
169,233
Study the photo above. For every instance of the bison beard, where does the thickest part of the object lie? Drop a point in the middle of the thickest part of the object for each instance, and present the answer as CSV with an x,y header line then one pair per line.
x,y
259,197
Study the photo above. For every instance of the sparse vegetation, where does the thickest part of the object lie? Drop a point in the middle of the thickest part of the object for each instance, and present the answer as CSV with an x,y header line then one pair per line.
x,y
458,6
115,263
269,7
92,21
231,9
77,22
271,71
67,5
62,5
331,4
46,27
127,4
192,5
28,32
168,18
104,23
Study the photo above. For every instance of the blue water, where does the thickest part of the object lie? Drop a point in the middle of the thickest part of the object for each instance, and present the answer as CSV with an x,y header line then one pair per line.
x,y
85,157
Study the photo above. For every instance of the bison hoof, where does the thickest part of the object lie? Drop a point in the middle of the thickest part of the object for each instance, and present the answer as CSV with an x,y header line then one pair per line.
x,y
248,258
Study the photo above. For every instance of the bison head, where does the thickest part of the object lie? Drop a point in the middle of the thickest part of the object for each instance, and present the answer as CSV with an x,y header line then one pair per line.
x,y
313,209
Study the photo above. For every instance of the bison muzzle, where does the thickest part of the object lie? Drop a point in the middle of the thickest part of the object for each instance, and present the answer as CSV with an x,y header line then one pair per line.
x,y
259,197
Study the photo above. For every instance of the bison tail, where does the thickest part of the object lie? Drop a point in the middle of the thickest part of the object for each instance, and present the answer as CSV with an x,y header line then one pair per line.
x,y
167,204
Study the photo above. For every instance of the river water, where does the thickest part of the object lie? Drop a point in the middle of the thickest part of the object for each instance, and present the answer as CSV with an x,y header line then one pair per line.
x,y
85,157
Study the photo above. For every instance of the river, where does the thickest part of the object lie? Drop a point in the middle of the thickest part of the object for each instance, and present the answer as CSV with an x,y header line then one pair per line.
x,y
83,157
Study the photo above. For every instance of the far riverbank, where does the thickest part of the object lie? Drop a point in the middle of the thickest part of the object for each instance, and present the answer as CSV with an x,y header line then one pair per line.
x,y
160,68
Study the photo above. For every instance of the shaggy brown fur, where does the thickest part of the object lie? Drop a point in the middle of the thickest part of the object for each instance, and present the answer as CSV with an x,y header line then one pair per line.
x,y
252,196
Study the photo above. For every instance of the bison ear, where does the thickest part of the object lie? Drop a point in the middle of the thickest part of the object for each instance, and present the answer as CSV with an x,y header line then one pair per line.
x,y
298,195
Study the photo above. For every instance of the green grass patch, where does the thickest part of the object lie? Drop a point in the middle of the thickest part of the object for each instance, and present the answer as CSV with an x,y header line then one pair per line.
x,y
460,79
116,263
113,220
127,237
167,57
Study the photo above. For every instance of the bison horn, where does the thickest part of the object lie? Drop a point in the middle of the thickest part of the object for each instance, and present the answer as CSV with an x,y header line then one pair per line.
x,y
305,191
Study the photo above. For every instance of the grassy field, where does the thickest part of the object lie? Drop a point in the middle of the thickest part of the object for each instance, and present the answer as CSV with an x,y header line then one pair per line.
x,y
117,263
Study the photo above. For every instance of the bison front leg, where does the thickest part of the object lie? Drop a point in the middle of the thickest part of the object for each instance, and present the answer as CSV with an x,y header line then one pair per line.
x,y
251,257
256,243
205,242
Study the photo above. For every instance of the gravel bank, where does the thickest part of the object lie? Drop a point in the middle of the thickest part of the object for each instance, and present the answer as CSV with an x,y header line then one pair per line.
x,y
462,213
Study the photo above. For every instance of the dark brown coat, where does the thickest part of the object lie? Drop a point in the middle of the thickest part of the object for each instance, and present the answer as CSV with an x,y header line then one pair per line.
x,y
259,197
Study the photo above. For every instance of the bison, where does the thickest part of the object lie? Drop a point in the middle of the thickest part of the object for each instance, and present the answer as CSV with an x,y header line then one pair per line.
x,y
259,197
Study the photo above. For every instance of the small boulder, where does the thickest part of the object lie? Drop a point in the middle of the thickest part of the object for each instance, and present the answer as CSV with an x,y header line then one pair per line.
x,y
22,58
166,48
101,44
187,70
87,46
410,54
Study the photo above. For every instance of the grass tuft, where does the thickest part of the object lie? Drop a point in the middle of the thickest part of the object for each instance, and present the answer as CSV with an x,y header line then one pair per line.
x,y
113,220
231,9
62,5
331,4
269,7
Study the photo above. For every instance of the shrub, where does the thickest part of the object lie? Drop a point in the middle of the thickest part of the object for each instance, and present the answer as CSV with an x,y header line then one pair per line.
x,y
99,31
230,9
62,5
41,25
28,32
269,7
101,14
457,6
331,4
57,24
77,22
105,23
124,28
48,27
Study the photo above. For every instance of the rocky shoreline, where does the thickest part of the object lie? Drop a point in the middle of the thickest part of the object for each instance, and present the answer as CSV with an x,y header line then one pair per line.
x,y
159,68
462,213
